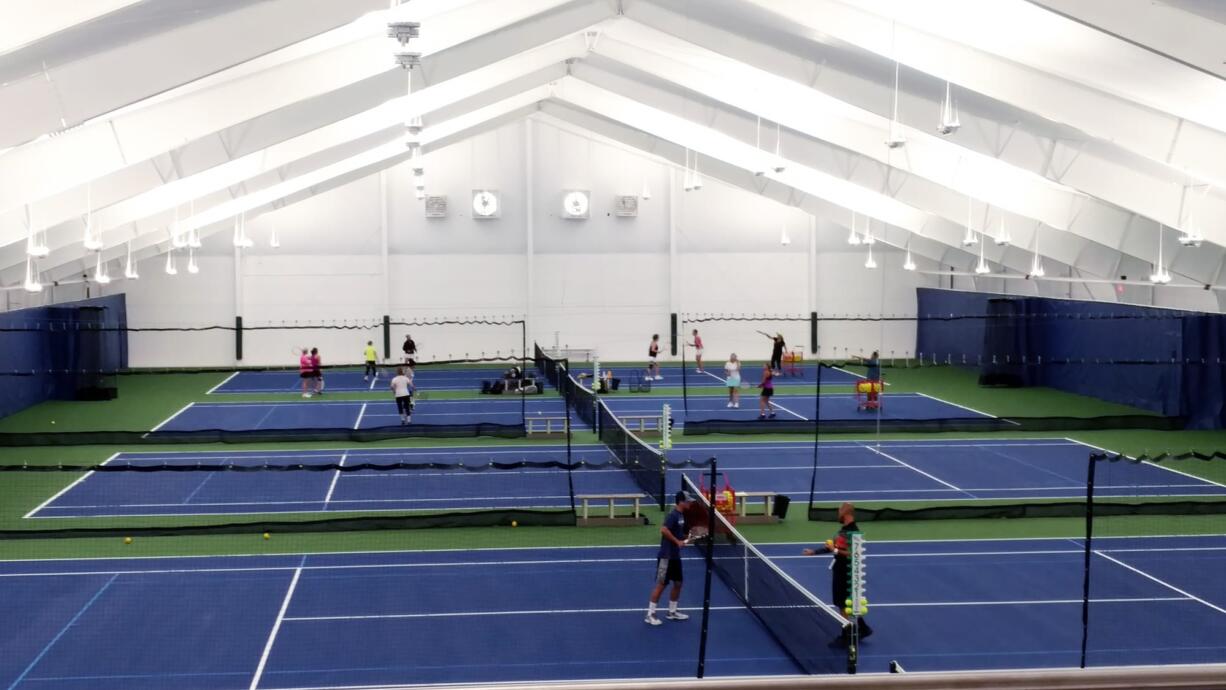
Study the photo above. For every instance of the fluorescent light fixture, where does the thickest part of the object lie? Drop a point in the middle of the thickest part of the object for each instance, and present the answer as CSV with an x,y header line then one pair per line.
x,y
869,262
895,138
778,166
403,32
982,267
273,240
129,268
784,240
908,264
1036,267
191,262
645,195
1160,276
37,247
101,277
949,113
31,283
697,181
1003,237
968,240
193,238
241,240
170,263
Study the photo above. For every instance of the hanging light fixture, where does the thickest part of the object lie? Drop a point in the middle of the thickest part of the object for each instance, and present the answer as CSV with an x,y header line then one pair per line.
x,y
982,267
36,242
908,264
868,232
760,164
31,283
191,262
92,241
1160,276
177,240
193,238
273,240
779,166
170,263
968,239
1193,237
853,239
687,182
241,240
895,139
949,113
869,262
129,268
1003,237
784,239
697,178
645,195
101,277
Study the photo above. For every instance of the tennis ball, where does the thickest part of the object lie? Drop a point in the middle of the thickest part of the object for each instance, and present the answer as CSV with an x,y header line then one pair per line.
x,y
267,535
515,523
847,603
863,601
53,421
847,611
830,543
127,540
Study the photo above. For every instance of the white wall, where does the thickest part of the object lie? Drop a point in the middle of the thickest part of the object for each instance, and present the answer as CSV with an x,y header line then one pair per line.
x,y
605,282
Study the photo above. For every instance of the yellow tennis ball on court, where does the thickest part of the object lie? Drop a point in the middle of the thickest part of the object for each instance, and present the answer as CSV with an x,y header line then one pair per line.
x,y
863,610
863,602
830,544
847,611
53,421
847,603
267,535
515,523
127,540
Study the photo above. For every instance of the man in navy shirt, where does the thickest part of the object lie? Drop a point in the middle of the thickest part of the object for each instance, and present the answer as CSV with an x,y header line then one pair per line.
x,y
668,562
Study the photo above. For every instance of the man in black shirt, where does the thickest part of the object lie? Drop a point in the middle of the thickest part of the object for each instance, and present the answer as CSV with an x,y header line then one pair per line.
x,y
840,546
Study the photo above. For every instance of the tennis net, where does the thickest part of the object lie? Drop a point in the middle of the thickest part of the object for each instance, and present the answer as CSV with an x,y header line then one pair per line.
x,y
645,463
809,630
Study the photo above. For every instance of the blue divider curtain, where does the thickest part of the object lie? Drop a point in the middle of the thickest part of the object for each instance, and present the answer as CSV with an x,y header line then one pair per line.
x,y
1204,378
43,349
1127,354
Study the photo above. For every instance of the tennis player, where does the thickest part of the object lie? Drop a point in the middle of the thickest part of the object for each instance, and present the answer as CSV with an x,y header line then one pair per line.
x,y
410,350
371,357
317,371
732,379
697,345
402,389
306,372
841,571
777,347
872,364
668,562
768,389
653,352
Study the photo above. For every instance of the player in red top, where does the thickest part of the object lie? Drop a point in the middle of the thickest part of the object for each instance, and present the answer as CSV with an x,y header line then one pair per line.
x,y
317,371
306,371
697,345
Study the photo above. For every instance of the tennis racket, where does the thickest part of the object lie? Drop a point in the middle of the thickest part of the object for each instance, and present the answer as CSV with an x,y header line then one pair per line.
x,y
696,534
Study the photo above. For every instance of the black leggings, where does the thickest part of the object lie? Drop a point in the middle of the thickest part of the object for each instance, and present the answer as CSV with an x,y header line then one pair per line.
x,y
777,361
405,405
371,370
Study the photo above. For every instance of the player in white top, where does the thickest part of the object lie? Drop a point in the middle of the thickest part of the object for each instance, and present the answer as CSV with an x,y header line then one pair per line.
x,y
732,379
402,387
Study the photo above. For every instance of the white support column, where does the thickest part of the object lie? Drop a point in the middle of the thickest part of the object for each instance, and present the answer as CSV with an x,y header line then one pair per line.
x,y
529,224
238,285
674,219
384,222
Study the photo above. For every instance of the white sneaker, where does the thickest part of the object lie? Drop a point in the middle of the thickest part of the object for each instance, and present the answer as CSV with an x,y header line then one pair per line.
x,y
677,616
659,378
306,395
652,620
728,405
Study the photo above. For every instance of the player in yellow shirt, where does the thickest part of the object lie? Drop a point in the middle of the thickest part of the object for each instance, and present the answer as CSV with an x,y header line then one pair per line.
x,y
371,357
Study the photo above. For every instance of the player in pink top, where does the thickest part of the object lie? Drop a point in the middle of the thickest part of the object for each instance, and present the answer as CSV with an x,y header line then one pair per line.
x,y
317,371
697,345
306,371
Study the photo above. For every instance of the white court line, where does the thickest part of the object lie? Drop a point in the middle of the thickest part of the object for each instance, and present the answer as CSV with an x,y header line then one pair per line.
x,y
723,381
1164,583
276,626
968,409
912,467
65,490
373,380
1151,464
361,413
171,417
223,382
772,403
335,477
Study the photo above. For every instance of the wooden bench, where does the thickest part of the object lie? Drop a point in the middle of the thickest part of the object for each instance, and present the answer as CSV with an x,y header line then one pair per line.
x,y
587,499
546,425
743,499
641,423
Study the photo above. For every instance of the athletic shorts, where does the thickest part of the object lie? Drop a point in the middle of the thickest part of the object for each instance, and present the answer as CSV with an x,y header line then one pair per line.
x,y
668,570
698,351
404,404
306,374
733,381
840,587
651,358
768,392
317,374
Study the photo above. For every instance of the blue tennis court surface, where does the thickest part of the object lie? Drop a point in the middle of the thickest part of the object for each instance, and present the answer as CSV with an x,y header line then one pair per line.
x,y
794,407
848,470
353,380
200,493
345,414
536,615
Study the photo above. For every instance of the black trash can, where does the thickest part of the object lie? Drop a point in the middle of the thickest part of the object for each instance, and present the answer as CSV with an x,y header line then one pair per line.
x,y
781,506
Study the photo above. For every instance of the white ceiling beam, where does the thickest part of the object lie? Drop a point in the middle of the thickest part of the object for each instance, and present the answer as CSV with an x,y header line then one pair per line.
x,y
27,22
